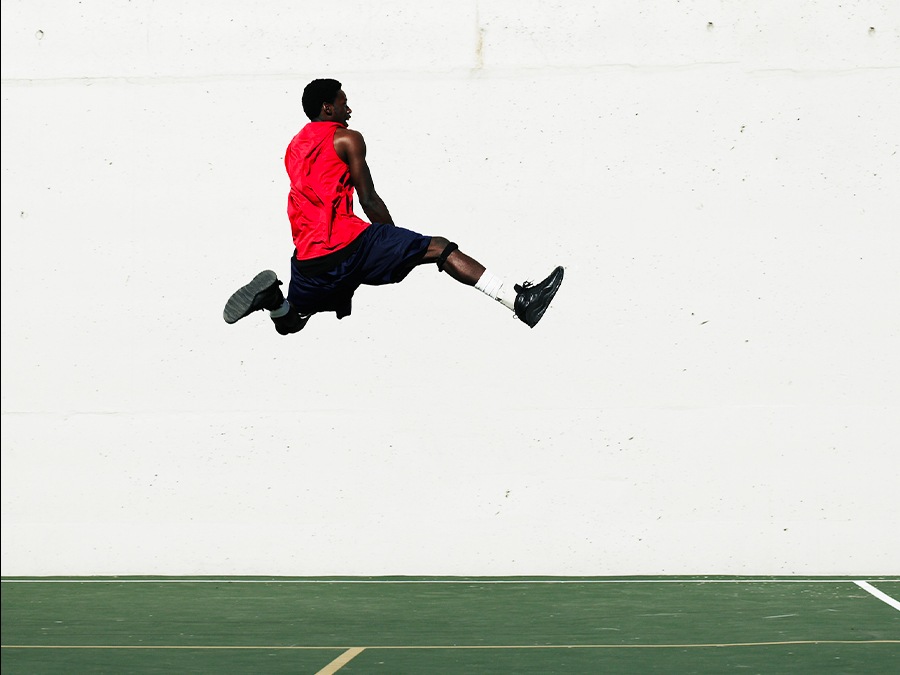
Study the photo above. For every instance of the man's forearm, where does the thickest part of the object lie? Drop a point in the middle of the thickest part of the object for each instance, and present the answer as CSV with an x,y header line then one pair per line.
x,y
376,210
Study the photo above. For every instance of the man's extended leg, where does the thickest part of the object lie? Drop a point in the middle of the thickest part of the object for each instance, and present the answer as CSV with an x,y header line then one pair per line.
x,y
528,301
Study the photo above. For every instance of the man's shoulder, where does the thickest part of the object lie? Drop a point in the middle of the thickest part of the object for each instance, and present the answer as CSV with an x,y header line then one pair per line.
x,y
344,132
348,140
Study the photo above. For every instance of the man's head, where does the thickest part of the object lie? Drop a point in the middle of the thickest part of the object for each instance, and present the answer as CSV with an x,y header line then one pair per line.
x,y
324,101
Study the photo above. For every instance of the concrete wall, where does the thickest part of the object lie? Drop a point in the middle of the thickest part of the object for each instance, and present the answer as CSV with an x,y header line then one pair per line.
x,y
715,389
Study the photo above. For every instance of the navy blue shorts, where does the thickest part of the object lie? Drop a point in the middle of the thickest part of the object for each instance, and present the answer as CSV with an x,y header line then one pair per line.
x,y
382,254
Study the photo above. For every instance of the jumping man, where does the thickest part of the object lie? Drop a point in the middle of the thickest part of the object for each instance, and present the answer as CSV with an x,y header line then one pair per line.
x,y
336,252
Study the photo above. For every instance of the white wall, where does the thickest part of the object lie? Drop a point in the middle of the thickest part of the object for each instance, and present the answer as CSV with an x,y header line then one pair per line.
x,y
715,389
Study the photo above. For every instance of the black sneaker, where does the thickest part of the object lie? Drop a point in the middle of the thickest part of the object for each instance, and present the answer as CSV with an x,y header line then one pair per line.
x,y
532,300
261,293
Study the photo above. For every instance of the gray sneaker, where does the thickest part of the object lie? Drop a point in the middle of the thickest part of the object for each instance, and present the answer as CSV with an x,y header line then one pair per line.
x,y
532,300
261,293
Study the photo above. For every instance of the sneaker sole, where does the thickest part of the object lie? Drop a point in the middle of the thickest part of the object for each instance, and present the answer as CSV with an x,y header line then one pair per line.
x,y
552,291
239,304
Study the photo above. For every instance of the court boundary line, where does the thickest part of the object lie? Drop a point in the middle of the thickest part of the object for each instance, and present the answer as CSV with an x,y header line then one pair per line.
x,y
491,581
346,649
881,595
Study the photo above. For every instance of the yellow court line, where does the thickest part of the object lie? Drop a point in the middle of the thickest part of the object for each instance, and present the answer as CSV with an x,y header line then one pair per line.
x,y
412,647
341,661
654,646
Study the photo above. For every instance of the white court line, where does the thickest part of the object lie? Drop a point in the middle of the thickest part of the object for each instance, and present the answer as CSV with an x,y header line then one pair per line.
x,y
884,597
794,580
340,661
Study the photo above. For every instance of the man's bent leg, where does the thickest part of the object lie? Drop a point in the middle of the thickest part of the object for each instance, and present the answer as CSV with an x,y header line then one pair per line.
x,y
261,293
290,321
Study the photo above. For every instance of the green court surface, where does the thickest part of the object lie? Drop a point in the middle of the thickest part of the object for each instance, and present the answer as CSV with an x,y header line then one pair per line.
x,y
450,625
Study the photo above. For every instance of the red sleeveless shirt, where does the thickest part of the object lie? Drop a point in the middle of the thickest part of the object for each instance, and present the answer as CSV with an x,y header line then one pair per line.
x,y
320,203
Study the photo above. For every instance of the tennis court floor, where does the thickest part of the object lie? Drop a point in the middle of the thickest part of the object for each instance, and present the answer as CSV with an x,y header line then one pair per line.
x,y
450,625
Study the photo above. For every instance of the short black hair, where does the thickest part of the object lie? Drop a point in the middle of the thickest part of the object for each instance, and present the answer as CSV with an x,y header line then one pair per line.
x,y
318,92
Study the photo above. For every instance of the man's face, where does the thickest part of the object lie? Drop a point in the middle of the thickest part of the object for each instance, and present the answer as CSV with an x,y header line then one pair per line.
x,y
339,111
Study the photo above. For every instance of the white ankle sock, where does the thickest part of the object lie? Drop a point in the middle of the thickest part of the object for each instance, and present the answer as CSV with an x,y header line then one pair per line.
x,y
281,311
493,286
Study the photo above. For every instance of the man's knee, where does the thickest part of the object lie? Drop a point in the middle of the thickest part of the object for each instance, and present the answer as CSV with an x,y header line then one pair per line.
x,y
446,248
435,247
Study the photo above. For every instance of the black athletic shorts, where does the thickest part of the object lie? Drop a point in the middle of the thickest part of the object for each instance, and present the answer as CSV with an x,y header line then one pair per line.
x,y
381,254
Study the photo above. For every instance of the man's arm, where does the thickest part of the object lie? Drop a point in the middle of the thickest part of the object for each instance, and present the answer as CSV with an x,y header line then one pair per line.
x,y
351,148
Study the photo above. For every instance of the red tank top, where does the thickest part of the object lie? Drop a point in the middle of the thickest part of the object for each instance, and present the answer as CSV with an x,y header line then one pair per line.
x,y
320,203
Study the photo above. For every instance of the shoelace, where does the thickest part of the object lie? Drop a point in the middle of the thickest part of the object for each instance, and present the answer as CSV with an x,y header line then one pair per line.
x,y
518,288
